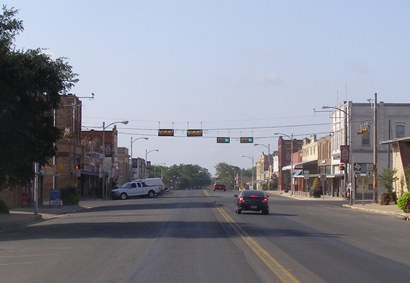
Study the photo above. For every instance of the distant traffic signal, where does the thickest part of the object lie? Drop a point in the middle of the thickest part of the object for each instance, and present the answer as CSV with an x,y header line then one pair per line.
x,y
194,133
166,132
246,139
77,167
223,140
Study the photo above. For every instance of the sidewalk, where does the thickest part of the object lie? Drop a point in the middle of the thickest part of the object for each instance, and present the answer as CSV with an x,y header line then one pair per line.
x,y
25,215
367,205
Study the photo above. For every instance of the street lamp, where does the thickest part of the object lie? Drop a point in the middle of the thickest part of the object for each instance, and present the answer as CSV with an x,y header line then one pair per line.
x,y
347,142
251,158
104,193
146,156
269,168
375,165
132,141
292,185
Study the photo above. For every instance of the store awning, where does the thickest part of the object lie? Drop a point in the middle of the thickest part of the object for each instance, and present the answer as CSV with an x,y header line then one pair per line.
x,y
304,162
287,167
334,175
90,173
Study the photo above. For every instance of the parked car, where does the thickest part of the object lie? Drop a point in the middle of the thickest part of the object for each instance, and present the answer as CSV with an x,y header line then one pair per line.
x,y
219,186
252,200
152,182
136,188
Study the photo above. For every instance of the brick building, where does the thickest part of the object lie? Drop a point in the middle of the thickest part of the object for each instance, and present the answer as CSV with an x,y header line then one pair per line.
x,y
284,159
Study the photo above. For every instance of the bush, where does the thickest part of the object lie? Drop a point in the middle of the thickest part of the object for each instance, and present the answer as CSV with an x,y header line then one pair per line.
x,y
385,198
316,189
317,192
3,207
403,201
70,196
264,187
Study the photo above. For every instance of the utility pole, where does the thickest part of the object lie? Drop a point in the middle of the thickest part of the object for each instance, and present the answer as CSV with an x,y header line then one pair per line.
x,y
375,165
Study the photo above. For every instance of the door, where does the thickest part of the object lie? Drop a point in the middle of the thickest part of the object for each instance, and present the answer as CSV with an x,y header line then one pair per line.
x,y
133,189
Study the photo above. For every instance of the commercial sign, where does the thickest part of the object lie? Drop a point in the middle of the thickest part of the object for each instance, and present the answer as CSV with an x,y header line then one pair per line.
x,y
134,163
344,153
93,155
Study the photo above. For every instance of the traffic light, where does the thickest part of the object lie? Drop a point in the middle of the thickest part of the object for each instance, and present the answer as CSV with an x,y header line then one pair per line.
x,y
166,132
77,171
362,131
246,139
341,167
223,140
194,133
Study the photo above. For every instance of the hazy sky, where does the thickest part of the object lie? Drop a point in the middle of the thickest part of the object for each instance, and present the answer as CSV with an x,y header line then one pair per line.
x,y
233,68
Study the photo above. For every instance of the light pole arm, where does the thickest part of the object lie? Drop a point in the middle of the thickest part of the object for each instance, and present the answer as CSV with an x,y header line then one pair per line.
x,y
132,141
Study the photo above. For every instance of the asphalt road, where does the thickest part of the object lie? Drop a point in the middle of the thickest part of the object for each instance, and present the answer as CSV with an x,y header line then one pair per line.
x,y
195,236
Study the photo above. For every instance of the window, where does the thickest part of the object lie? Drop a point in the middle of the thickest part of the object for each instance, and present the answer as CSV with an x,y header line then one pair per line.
x,y
366,138
400,129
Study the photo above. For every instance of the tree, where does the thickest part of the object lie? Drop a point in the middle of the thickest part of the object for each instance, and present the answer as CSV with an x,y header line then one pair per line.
x,y
226,173
387,178
407,177
31,84
185,176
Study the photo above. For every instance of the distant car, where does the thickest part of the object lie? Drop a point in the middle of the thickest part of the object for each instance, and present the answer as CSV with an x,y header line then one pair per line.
x,y
219,186
252,200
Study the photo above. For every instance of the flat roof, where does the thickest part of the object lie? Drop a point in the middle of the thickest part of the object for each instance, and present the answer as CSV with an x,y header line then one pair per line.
x,y
406,139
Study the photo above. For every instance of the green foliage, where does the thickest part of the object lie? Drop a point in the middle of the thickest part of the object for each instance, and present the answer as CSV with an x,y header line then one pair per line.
x,y
31,84
316,190
3,207
226,173
185,176
265,186
316,183
70,196
387,178
9,28
403,200
407,176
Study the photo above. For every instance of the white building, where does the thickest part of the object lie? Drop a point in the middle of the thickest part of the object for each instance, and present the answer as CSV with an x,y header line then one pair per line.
x,y
385,122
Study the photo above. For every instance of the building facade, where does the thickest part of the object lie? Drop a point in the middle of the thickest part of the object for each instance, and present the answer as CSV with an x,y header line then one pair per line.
x,y
362,127
285,158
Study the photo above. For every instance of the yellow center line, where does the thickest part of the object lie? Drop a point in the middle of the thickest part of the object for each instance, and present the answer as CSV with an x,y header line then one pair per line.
x,y
280,272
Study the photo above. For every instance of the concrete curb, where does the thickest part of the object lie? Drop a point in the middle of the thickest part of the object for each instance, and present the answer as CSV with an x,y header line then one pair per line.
x,y
402,216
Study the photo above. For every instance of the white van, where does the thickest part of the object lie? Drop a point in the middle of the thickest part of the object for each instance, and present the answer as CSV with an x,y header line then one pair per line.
x,y
143,187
